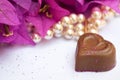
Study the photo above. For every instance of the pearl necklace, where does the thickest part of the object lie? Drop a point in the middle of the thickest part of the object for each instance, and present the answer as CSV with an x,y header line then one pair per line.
x,y
75,25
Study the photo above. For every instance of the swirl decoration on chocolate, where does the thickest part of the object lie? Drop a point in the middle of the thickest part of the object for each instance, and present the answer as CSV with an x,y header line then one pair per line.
x,y
94,53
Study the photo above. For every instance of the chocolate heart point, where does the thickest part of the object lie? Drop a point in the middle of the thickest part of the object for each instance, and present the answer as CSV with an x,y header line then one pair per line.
x,y
94,54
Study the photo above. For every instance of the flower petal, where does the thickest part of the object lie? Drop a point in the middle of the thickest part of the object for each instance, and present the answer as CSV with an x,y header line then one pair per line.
x,y
22,36
47,23
114,4
36,22
41,23
4,39
8,14
24,3
34,9
71,5
57,11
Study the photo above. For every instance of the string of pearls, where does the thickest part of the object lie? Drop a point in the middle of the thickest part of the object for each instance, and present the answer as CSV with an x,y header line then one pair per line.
x,y
75,25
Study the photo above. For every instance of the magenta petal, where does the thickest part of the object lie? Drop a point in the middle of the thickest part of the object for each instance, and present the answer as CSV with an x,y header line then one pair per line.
x,y
57,11
21,40
22,37
7,14
24,3
5,4
34,8
47,23
41,23
36,21
69,2
114,4
4,39
81,2
40,2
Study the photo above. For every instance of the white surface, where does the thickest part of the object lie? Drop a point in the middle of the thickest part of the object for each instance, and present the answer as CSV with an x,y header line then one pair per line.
x,y
54,60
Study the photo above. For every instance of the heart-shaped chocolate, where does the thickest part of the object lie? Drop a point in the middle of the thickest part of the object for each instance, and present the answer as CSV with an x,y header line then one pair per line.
x,y
93,53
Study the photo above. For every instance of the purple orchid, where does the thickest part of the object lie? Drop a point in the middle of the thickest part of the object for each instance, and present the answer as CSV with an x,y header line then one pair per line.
x,y
11,30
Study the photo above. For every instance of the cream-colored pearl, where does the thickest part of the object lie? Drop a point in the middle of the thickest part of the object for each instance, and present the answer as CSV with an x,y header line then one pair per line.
x,y
98,22
68,34
36,38
57,35
108,15
70,26
57,28
79,26
96,15
73,18
78,34
81,18
103,23
93,31
90,27
65,21
111,14
90,19
49,35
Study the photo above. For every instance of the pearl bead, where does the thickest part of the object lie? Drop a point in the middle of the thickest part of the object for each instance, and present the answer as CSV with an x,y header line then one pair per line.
x,y
78,34
79,26
90,27
68,34
103,23
98,22
111,14
96,15
65,21
93,31
36,38
73,18
81,18
57,28
90,19
108,14
49,35
57,35
70,26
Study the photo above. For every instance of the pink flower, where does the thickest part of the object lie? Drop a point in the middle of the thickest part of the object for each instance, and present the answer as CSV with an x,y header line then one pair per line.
x,y
44,14
12,28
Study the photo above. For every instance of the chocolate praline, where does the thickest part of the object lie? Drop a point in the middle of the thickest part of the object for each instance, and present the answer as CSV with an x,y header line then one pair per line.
x,y
94,54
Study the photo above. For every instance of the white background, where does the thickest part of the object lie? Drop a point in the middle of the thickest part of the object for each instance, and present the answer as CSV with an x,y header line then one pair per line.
x,y
54,59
